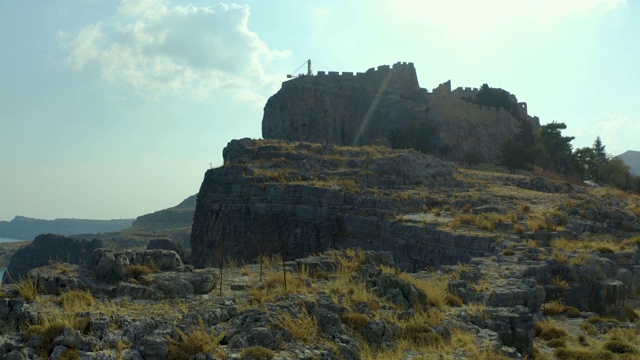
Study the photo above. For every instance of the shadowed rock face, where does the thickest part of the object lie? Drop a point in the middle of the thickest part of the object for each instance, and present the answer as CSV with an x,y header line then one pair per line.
x,y
297,199
46,248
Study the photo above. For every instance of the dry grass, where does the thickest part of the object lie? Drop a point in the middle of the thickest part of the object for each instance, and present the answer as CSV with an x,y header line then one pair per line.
x,y
137,271
557,307
560,282
258,353
75,301
549,329
303,327
436,289
27,288
525,208
603,245
197,341
354,320
59,267
561,257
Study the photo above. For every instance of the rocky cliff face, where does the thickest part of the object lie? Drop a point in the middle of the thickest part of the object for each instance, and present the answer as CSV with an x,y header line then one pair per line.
x,y
299,198
362,109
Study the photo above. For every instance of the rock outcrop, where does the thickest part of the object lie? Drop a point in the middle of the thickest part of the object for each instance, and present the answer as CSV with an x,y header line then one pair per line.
x,y
48,248
356,109
297,199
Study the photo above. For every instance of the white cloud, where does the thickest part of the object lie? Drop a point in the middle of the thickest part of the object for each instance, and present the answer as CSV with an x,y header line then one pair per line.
x,y
183,51
618,132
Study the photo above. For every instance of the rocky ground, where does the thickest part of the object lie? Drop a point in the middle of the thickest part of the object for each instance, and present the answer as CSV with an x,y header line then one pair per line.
x,y
457,264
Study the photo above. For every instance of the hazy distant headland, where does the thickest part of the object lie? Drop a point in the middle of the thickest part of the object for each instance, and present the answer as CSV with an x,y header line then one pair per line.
x,y
25,228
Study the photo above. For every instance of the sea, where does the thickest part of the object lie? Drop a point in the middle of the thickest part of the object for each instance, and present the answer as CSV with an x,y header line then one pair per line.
x,y
6,240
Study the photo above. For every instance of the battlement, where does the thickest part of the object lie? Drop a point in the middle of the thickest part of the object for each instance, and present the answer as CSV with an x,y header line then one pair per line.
x,y
401,75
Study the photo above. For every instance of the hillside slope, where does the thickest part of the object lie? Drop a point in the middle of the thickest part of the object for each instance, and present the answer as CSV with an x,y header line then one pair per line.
x,y
631,158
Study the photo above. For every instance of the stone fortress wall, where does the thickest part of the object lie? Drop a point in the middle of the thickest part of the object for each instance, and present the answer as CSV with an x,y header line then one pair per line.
x,y
400,76
447,102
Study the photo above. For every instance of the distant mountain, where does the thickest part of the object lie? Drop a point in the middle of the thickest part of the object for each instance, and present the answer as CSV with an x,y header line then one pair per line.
x,y
28,228
631,158
177,217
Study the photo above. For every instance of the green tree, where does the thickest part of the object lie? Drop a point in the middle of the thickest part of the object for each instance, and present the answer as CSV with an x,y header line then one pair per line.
x,y
553,148
514,155
586,164
616,173
599,149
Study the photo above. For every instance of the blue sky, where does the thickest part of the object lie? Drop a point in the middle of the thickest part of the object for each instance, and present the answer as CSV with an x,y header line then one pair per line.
x,y
116,109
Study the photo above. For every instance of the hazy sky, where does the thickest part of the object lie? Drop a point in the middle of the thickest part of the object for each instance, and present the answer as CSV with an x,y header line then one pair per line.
x,y
114,110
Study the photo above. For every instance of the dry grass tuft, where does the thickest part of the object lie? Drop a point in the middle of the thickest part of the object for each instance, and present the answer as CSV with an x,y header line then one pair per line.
x,y
557,307
258,353
354,320
549,329
137,271
76,301
582,354
196,342
560,282
303,327
27,288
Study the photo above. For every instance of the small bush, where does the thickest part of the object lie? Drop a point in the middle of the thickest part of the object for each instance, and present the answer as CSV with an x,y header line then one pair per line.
x,y
508,252
258,353
525,208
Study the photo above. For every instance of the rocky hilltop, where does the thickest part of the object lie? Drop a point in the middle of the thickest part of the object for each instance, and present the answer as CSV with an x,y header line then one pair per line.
x,y
362,108
318,240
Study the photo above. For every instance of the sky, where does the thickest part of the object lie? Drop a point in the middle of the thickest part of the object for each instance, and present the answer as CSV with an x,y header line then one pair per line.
x,y
114,109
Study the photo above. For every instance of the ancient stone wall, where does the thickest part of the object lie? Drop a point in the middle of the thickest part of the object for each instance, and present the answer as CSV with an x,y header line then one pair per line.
x,y
402,75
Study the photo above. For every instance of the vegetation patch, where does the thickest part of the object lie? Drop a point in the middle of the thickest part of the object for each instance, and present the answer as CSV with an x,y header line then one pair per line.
x,y
196,342
258,353
27,288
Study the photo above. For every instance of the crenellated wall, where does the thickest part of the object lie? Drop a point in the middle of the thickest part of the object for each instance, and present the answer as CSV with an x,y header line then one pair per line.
x,y
400,76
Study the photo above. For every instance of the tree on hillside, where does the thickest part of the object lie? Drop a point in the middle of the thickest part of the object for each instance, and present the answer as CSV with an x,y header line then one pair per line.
x,y
519,152
553,148
586,164
615,173
514,155
599,149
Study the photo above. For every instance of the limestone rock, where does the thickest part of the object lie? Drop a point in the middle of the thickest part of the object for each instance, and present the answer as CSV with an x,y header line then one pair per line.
x,y
48,248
